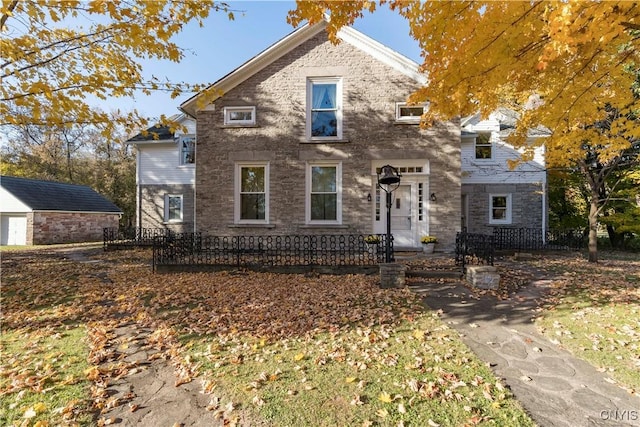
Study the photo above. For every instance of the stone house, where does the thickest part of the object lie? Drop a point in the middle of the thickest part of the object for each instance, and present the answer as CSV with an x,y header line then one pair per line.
x,y
35,212
294,140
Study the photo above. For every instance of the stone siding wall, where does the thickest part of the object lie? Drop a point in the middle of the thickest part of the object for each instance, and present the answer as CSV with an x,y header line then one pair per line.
x,y
152,206
526,205
370,90
44,228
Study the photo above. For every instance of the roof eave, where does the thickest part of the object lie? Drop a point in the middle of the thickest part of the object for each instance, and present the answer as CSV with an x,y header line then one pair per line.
x,y
255,64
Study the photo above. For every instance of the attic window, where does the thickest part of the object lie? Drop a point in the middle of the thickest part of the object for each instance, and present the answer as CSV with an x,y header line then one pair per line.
x,y
239,116
409,113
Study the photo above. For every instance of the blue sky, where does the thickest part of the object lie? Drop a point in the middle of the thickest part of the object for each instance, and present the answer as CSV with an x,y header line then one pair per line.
x,y
222,45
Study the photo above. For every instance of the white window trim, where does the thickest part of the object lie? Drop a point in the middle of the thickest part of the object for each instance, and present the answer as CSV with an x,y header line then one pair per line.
x,y
408,119
166,208
338,83
180,159
338,220
229,110
491,143
508,213
238,177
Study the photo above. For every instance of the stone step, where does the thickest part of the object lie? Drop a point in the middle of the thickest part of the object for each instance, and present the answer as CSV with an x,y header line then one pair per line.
x,y
435,274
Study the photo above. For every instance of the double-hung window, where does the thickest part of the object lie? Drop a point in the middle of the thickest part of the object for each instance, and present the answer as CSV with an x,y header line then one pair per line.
x,y
252,193
324,108
187,150
483,147
500,209
173,208
324,193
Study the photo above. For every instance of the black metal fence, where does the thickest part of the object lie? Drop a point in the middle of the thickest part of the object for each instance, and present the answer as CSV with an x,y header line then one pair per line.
x,y
534,239
126,238
474,249
324,253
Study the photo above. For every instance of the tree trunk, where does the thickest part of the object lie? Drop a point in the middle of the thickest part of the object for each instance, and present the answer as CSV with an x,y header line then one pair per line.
x,y
593,228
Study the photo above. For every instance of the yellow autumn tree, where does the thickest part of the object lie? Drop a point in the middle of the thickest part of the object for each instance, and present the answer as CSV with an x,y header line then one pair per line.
x,y
563,65
58,56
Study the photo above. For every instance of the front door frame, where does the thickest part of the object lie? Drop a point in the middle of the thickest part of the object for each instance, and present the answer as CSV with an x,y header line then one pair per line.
x,y
415,174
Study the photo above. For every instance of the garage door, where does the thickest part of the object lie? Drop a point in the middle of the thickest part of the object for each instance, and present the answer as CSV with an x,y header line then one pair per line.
x,y
14,230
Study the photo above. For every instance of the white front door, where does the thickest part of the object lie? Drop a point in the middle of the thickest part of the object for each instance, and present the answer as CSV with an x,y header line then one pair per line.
x,y
402,221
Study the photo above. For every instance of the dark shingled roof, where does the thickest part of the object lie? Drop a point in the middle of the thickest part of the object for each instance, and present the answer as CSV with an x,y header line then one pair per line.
x,y
162,132
56,196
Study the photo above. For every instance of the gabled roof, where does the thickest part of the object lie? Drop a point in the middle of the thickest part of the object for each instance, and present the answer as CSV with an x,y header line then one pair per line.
x,y
160,133
56,196
294,39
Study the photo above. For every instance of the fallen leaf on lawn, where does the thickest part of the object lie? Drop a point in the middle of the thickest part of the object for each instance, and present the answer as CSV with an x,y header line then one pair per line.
x,y
433,423
385,397
526,378
350,379
257,401
29,413
401,408
298,357
382,413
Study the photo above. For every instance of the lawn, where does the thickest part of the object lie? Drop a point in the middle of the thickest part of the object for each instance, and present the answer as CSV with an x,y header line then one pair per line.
x,y
593,310
286,349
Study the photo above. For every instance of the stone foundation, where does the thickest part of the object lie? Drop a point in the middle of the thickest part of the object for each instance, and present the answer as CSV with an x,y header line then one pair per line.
x,y
45,228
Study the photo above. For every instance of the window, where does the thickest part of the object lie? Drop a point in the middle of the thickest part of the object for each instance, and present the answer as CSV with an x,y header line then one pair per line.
x,y
187,150
252,193
324,187
409,113
500,209
324,108
484,146
239,116
173,207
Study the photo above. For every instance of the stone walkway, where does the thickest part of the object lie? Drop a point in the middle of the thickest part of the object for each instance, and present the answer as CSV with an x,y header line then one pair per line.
x,y
556,388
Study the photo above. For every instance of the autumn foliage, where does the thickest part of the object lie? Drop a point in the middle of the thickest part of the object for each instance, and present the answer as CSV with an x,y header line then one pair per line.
x,y
558,63
60,58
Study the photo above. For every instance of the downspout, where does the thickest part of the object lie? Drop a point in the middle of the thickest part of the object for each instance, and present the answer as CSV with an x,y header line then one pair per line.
x,y
544,207
139,190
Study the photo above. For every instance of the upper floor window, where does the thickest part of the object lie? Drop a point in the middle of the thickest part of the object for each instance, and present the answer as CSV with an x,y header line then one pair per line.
x,y
409,113
324,108
484,146
173,207
252,193
324,193
500,209
187,150
239,116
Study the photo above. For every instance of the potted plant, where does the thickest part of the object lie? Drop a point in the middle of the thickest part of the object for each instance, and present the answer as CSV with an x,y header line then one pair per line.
x,y
372,239
428,243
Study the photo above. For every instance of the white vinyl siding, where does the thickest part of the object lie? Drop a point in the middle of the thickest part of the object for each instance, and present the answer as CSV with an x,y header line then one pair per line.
x,y
160,165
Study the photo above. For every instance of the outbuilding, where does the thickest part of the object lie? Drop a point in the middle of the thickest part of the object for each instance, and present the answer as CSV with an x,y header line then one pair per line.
x,y
36,212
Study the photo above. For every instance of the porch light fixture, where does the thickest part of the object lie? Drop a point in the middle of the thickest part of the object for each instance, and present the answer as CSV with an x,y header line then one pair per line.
x,y
433,197
388,181
369,197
